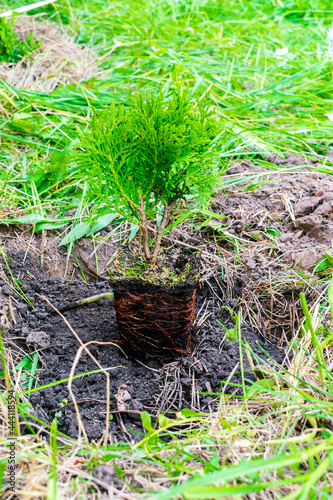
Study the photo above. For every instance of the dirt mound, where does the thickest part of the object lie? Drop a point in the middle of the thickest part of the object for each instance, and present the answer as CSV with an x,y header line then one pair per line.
x,y
184,382
292,218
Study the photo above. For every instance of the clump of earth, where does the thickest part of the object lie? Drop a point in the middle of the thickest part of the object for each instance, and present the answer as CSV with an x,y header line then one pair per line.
x,y
298,206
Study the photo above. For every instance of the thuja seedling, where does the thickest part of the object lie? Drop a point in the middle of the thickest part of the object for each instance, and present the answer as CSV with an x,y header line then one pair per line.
x,y
143,160
12,48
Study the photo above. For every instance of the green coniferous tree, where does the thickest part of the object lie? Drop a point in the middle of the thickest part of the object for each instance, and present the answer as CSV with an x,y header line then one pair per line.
x,y
141,161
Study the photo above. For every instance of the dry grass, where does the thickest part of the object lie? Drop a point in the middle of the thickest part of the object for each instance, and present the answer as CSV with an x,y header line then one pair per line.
x,y
57,60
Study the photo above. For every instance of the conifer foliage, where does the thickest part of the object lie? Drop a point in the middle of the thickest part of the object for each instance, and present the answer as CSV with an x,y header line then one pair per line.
x,y
142,160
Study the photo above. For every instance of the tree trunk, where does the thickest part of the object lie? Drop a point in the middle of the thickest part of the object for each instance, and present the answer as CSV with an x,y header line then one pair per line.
x,y
144,231
165,220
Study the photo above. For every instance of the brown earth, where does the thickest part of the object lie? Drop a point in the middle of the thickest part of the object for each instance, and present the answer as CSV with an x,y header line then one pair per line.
x,y
299,206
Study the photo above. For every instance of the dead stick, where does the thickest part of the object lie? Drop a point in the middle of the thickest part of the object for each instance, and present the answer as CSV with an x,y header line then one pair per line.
x,y
84,347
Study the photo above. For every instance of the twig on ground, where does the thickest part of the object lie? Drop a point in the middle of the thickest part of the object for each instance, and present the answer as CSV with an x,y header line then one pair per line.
x,y
87,300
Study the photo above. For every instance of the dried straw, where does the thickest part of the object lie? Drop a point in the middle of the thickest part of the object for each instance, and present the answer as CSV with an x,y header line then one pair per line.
x,y
57,60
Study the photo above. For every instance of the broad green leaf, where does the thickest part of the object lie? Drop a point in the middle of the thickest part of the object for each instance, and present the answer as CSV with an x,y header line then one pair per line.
x,y
212,214
24,363
214,461
60,158
165,422
33,370
273,231
41,226
134,230
190,413
264,385
101,222
329,258
146,421
29,219
76,233
322,264
216,226
231,333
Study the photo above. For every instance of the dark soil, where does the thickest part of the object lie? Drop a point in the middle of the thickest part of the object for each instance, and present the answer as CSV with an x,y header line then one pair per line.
x,y
155,387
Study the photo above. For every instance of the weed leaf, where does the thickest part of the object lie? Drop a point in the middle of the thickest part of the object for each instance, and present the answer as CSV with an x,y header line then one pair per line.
x,y
146,421
101,222
76,233
264,385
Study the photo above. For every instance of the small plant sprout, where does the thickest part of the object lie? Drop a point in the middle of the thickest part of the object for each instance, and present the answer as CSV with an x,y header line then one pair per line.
x,y
142,161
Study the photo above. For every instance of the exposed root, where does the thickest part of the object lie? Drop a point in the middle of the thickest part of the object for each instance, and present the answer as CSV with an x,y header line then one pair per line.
x,y
153,323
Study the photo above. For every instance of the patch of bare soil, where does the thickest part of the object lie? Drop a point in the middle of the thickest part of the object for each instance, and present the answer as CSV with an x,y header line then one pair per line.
x,y
300,209
191,381
44,247
280,232
58,59
52,260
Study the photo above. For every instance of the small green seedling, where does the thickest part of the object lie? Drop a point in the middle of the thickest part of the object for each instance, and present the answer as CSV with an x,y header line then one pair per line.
x,y
142,161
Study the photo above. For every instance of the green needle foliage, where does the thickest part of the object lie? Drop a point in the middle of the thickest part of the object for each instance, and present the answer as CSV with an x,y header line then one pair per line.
x,y
141,161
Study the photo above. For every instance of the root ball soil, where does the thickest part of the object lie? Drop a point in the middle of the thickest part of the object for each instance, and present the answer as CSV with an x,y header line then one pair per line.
x,y
155,308
155,323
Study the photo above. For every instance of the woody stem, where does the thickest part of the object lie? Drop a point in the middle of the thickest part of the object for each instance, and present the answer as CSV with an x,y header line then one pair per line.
x,y
144,231
165,220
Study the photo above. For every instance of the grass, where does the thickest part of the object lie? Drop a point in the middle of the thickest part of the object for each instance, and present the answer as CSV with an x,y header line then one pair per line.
x,y
267,66
265,101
